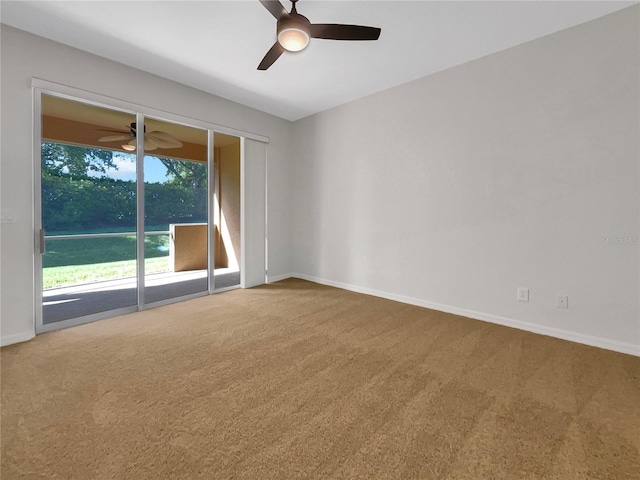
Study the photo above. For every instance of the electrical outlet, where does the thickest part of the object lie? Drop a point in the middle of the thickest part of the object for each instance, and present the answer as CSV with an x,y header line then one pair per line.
x,y
523,294
563,301
312,260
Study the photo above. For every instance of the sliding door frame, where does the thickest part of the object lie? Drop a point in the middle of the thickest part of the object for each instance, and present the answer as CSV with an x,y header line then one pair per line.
x,y
211,178
42,87
253,234
140,237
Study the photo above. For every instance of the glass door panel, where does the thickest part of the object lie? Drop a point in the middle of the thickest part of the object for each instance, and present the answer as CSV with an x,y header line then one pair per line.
x,y
175,211
226,205
88,210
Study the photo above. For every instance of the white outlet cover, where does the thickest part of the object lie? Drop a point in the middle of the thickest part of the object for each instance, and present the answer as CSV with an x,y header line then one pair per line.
x,y
563,301
523,294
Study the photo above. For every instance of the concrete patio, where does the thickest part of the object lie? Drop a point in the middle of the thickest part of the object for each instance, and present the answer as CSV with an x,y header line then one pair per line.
x,y
81,300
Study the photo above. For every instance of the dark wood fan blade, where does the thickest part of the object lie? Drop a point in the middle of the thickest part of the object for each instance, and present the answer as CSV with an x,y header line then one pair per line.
x,y
275,7
331,31
272,55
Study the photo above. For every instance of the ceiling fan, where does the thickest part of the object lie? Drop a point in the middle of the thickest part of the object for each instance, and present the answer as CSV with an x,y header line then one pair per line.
x,y
152,140
295,30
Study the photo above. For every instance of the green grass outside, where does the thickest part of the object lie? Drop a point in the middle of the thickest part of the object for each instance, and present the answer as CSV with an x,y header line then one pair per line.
x,y
85,251
132,228
54,277
85,260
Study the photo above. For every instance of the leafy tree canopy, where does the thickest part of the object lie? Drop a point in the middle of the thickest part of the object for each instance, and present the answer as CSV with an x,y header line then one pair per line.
x,y
70,161
185,173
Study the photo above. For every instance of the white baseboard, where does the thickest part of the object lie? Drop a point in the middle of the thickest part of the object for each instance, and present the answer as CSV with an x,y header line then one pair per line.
x,y
621,347
16,338
277,278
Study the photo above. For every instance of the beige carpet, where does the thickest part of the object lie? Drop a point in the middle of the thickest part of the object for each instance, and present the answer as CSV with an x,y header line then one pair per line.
x,y
296,380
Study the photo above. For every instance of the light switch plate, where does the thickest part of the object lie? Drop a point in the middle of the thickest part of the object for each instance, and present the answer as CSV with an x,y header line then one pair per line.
x,y
8,215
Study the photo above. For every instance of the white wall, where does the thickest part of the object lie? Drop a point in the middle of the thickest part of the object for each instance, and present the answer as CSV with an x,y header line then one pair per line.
x,y
510,171
24,56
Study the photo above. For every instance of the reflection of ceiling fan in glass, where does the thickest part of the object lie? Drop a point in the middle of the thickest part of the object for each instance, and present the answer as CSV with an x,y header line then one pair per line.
x,y
152,140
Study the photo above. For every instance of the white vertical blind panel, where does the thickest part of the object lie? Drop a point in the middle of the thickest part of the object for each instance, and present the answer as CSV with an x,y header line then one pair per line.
x,y
253,213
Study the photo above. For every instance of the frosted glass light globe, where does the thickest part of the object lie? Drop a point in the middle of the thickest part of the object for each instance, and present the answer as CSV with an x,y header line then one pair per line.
x,y
293,39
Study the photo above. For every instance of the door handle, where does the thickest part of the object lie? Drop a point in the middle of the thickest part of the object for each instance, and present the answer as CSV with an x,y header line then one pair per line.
x,y
42,242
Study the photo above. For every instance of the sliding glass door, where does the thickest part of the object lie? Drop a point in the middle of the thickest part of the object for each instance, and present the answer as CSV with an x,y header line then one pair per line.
x,y
121,229
88,210
175,211
226,211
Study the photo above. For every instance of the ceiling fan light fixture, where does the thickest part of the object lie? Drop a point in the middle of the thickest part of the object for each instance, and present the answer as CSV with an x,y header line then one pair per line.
x,y
294,31
293,39
128,148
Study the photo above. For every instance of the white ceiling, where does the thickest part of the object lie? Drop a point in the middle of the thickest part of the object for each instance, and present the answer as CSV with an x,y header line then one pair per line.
x,y
216,46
